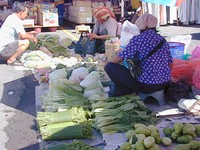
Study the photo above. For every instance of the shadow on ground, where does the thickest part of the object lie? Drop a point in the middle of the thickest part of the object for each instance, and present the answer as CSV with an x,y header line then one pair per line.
x,y
20,94
22,128
196,36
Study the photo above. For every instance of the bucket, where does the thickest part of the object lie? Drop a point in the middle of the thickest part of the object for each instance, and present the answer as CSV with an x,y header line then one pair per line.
x,y
177,49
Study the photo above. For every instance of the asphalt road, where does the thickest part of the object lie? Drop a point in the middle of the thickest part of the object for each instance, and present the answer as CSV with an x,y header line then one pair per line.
x,y
18,130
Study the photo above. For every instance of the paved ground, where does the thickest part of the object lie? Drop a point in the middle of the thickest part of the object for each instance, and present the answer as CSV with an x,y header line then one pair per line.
x,y
17,93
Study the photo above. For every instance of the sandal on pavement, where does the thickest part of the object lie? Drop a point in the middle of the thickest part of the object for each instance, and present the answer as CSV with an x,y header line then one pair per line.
x,y
15,63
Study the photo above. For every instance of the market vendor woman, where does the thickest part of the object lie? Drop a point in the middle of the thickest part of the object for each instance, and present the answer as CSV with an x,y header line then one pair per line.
x,y
14,39
105,27
156,69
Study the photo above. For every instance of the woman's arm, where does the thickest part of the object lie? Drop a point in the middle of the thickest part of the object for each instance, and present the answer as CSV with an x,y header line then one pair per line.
x,y
94,36
114,59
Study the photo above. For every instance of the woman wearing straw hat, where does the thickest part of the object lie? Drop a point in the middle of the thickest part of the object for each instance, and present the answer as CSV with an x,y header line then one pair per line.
x,y
105,27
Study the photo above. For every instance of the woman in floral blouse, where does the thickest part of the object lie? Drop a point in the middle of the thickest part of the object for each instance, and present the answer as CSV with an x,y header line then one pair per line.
x,y
156,69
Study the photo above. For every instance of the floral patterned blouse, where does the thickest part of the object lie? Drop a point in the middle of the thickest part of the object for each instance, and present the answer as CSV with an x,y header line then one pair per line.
x,y
155,69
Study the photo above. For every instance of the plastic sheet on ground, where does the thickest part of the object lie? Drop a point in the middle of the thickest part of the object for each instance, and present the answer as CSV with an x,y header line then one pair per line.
x,y
114,140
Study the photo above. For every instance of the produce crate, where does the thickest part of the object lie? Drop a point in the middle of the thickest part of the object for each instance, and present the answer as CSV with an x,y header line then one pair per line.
x,y
48,19
3,2
80,28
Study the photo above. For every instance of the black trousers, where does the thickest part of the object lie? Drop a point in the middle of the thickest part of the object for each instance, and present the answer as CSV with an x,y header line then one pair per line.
x,y
126,84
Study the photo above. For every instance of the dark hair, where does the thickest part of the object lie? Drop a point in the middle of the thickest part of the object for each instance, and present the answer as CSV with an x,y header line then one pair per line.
x,y
18,7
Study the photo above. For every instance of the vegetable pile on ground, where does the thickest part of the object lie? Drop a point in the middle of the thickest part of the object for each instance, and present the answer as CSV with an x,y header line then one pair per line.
x,y
72,123
75,145
142,137
74,114
39,59
64,94
185,134
119,114
66,130
50,42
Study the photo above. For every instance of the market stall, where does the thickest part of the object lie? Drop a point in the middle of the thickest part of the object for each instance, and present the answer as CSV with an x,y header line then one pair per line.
x,y
73,108
75,112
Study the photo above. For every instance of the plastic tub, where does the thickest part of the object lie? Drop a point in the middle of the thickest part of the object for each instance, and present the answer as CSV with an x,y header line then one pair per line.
x,y
177,49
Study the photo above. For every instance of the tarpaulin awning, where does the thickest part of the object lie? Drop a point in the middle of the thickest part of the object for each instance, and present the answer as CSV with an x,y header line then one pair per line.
x,y
165,2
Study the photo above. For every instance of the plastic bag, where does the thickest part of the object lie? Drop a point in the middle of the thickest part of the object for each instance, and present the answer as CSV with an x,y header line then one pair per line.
x,y
177,90
187,103
196,78
111,47
83,45
128,31
196,52
183,70
186,39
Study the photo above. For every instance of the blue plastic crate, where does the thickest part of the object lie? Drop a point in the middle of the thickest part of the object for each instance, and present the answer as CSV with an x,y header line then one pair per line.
x,y
177,49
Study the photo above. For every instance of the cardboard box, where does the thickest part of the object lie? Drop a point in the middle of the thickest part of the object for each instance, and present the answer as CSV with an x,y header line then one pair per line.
x,y
48,19
80,28
3,2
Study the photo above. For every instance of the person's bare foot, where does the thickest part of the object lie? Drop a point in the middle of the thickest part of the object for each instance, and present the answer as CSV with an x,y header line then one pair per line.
x,y
10,60
14,63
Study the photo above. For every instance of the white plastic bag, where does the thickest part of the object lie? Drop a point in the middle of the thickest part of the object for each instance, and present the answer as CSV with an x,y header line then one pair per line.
x,y
128,31
186,39
187,103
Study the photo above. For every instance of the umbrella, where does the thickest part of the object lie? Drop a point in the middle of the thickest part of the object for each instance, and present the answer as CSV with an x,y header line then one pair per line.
x,y
165,2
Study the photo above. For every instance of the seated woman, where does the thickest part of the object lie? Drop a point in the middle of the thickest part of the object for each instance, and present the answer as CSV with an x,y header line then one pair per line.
x,y
105,27
156,69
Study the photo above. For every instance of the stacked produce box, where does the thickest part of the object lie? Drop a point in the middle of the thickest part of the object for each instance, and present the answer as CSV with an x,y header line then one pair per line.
x,y
80,12
44,14
47,15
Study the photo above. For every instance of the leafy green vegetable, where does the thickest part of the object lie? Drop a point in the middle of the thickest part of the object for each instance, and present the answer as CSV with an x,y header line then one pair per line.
x,y
73,114
66,130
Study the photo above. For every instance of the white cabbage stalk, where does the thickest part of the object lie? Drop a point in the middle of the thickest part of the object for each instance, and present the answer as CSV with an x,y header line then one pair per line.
x,y
79,74
89,93
57,74
91,81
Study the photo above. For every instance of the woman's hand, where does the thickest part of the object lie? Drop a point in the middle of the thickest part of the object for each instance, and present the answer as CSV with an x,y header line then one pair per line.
x,y
114,59
92,36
